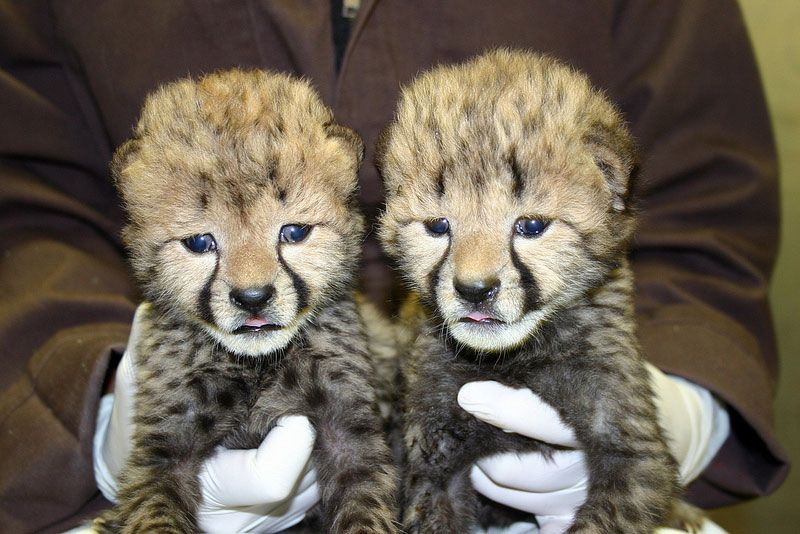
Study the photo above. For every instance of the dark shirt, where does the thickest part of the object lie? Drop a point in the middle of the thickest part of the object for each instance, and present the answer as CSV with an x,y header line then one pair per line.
x,y
74,75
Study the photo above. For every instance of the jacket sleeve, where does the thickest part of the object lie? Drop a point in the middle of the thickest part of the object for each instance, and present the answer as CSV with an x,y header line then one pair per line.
x,y
66,300
686,78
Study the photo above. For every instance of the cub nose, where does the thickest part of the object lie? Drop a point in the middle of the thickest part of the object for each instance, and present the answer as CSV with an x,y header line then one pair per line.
x,y
252,299
477,291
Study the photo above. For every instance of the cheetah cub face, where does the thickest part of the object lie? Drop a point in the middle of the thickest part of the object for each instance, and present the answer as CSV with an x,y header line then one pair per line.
x,y
239,190
507,194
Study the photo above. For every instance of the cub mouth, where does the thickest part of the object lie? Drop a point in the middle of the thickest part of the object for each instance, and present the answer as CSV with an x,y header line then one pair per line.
x,y
256,323
477,317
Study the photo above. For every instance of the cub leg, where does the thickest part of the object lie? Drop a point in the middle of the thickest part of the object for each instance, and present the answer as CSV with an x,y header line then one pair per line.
x,y
439,496
355,469
159,489
633,478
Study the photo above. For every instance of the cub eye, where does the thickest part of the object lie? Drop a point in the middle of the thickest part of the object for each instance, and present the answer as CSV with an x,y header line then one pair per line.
x,y
200,243
527,227
437,227
294,233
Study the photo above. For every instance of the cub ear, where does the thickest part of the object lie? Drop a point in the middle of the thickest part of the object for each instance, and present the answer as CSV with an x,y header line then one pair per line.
x,y
381,146
391,185
349,136
614,153
122,157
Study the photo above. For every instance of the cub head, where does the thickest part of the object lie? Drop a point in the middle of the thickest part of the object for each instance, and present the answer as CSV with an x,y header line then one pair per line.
x,y
241,196
507,193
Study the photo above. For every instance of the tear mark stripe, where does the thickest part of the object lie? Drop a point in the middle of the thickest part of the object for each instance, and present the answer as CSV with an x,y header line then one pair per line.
x,y
527,281
300,287
204,299
433,276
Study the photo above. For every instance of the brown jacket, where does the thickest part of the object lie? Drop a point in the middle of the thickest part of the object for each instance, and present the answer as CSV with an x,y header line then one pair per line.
x,y
74,75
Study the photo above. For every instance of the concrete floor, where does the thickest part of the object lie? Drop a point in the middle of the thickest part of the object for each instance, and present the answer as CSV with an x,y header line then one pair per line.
x,y
774,28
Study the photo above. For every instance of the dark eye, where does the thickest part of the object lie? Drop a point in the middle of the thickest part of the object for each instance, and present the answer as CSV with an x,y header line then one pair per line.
x,y
530,227
438,226
294,233
200,243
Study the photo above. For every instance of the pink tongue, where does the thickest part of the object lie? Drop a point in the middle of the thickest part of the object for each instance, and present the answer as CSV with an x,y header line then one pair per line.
x,y
255,322
478,316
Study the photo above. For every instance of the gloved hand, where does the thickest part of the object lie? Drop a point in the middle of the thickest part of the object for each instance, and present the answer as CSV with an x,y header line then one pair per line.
x,y
258,490
695,422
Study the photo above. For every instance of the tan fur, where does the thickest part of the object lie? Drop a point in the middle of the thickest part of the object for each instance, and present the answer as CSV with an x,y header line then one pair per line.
x,y
425,139
250,152
486,145
258,326
544,117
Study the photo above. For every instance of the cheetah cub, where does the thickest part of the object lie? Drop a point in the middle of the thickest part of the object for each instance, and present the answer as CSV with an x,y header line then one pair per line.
x,y
508,212
244,236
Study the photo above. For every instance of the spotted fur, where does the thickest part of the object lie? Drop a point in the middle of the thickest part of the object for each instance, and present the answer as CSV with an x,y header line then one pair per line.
x,y
260,326
506,138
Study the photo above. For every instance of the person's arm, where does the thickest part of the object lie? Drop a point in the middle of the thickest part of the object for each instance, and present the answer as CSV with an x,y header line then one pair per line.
x,y
685,76
66,297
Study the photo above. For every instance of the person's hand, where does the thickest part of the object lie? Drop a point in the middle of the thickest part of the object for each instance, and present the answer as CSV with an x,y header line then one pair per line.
x,y
267,489
696,425
551,490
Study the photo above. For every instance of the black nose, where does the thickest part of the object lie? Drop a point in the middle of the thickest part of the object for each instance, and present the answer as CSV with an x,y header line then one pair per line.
x,y
252,299
477,291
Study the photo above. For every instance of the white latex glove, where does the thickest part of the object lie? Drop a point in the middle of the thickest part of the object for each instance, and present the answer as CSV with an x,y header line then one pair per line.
x,y
267,489
695,422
